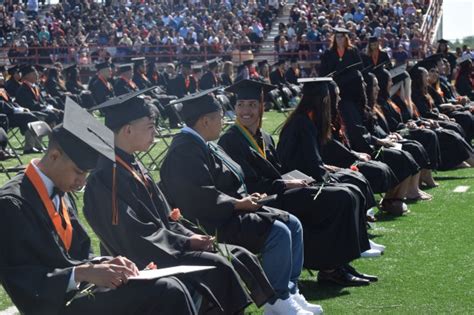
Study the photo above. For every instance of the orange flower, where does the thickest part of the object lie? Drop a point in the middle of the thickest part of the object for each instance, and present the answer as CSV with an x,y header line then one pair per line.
x,y
354,168
175,215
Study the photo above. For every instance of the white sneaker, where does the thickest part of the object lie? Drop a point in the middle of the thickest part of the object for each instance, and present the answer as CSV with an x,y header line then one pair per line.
x,y
376,246
284,307
301,301
371,253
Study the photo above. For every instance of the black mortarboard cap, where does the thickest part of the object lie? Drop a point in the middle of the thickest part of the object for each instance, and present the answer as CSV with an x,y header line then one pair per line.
x,y
442,41
262,63
429,62
82,137
124,68
198,104
213,62
186,63
13,70
70,68
399,74
279,62
309,84
341,30
102,65
25,69
250,89
125,108
138,61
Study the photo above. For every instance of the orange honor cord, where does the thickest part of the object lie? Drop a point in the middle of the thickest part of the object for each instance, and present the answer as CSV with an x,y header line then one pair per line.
x,y
65,233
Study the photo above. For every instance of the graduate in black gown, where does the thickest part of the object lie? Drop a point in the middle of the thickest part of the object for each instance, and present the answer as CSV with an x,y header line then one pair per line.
x,y
337,151
393,118
355,116
443,49
340,55
375,55
124,83
130,214
139,73
75,86
99,85
29,96
453,149
464,83
13,83
45,251
277,76
209,188
254,150
56,87
210,79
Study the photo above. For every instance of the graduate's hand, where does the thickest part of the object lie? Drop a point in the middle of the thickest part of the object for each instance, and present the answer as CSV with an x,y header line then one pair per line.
x,y
103,275
411,125
123,261
257,196
295,183
246,204
201,242
364,157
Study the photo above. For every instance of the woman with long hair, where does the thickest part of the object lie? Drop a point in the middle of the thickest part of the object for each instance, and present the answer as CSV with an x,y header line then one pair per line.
x,y
341,53
323,217
464,83
227,76
454,150
375,55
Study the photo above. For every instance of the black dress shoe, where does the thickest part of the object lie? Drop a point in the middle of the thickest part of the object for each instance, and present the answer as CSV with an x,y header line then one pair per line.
x,y
354,272
342,278
32,150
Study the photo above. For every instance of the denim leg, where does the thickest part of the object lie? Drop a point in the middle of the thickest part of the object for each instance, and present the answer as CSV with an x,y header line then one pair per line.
x,y
294,225
277,260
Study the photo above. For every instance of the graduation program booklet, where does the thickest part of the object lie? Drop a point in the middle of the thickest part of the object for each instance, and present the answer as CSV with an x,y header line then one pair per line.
x,y
152,274
295,174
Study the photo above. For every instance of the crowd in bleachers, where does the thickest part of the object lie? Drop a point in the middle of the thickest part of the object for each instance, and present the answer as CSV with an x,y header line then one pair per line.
x,y
396,23
185,30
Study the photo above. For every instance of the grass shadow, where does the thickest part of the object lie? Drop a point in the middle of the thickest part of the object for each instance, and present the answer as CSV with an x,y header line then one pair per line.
x,y
313,291
452,177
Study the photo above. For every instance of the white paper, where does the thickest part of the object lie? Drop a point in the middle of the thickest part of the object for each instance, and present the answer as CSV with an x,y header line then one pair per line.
x,y
164,272
461,189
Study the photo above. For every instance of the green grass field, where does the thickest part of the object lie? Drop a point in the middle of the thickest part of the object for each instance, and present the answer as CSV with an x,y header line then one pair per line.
x,y
427,267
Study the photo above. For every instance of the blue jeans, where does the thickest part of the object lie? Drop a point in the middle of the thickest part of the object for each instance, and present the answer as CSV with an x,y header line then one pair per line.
x,y
282,257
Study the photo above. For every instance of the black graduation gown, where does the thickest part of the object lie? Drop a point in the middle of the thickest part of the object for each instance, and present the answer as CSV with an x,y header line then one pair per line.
x,y
145,234
141,81
426,137
54,90
464,86
361,140
26,98
205,190
123,87
226,79
330,229
291,76
463,118
18,119
453,148
100,91
415,148
277,78
378,174
208,81
330,60
383,58
36,267
12,86
177,86
87,101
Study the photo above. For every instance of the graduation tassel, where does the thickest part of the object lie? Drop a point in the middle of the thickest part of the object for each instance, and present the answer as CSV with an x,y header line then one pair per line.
x,y
114,197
